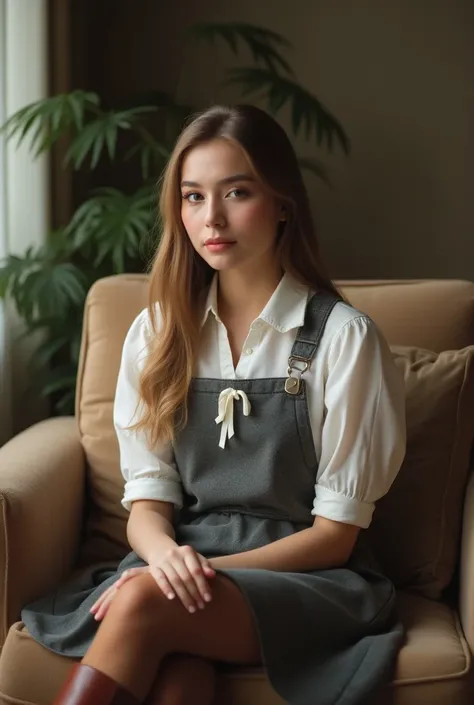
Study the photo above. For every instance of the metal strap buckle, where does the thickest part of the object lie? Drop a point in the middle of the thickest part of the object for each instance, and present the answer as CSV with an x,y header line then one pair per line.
x,y
293,384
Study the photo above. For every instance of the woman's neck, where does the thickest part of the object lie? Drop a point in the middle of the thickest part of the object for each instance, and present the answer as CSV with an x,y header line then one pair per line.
x,y
241,294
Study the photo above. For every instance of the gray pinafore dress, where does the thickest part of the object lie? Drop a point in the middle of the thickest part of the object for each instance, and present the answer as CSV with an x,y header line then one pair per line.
x,y
328,637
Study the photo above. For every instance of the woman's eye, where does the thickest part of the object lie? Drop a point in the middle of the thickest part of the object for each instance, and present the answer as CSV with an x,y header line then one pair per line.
x,y
239,192
190,196
194,197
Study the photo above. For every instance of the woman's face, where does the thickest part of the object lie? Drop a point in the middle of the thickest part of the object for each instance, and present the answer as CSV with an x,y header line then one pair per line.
x,y
230,216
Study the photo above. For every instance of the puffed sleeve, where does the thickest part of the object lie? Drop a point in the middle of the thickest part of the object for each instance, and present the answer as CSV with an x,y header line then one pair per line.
x,y
148,473
364,432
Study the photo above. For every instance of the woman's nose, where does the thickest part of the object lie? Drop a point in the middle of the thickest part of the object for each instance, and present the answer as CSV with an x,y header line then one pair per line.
x,y
215,216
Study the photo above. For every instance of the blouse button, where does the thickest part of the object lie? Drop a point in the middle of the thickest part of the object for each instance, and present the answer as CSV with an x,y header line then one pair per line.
x,y
249,351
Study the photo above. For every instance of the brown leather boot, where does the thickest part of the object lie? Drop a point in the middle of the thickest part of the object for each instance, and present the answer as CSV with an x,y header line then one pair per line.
x,y
88,686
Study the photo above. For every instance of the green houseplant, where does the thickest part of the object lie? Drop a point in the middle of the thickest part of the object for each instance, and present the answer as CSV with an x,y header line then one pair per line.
x,y
110,230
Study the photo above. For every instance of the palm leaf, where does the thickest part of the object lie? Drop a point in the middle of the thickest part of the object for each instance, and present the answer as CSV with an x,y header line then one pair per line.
x,y
102,131
306,109
260,41
45,121
150,153
14,273
115,223
84,222
58,247
174,114
54,288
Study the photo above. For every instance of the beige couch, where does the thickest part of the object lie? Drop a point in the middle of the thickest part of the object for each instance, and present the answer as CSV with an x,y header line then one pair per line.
x,y
60,489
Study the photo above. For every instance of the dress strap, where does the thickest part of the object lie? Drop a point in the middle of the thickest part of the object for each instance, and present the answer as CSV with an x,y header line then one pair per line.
x,y
308,337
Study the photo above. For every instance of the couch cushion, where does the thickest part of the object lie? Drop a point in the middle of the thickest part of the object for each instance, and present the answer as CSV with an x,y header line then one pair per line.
x,y
432,667
435,314
416,526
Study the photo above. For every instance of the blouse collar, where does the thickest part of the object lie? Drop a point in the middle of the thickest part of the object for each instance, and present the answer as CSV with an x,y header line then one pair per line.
x,y
284,310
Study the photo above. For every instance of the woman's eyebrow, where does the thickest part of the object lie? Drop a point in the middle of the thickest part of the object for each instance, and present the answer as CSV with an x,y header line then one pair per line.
x,y
227,180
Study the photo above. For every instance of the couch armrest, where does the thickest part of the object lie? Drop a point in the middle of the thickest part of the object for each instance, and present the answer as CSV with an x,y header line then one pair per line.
x,y
42,478
466,597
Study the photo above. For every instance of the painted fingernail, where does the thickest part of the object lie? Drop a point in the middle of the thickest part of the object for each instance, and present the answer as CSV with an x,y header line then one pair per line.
x,y
207,597
192,609
170,595
201,605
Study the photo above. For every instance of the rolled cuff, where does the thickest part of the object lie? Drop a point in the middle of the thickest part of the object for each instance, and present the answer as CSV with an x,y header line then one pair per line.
x,y
339,507
152,488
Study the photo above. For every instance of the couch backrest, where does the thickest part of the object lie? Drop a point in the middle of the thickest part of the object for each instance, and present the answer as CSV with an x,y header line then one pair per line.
x,y
433,314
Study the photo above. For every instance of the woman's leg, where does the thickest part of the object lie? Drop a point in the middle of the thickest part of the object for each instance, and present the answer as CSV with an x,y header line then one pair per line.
x,y
142,626
183,679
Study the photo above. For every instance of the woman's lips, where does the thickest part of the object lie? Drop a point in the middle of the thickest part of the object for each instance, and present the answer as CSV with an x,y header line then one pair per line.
x,y
218,246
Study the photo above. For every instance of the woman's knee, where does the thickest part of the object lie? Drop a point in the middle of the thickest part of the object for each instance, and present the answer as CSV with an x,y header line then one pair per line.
x,y
139,599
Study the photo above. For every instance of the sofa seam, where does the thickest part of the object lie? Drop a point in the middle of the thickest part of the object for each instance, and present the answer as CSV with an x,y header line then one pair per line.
x,y
15,701
446,677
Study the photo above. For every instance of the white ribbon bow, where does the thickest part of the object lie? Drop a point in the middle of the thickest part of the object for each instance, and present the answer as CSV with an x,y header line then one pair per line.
x,y
226,412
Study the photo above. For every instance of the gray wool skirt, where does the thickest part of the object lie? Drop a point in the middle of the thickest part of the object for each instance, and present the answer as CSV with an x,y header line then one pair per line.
x,y
327,636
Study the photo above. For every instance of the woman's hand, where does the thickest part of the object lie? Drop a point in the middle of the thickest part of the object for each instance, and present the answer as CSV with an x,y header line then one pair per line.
x,y
181,571
184,572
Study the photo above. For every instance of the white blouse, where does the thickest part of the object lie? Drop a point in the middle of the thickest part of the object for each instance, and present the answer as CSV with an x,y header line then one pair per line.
x,y
356,402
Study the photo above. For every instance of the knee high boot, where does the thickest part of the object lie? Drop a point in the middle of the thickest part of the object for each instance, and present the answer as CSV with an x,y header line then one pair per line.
x,y
88,686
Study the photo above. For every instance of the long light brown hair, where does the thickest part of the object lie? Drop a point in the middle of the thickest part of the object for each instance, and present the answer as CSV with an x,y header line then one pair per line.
x,y
180,278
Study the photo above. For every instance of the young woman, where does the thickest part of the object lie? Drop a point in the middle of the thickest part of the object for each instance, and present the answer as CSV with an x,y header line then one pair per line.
x,y
259,418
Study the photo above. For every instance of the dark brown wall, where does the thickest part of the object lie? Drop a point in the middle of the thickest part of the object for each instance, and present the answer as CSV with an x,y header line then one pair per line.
x,y
399,77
